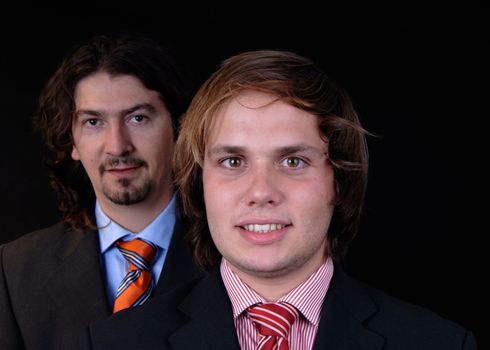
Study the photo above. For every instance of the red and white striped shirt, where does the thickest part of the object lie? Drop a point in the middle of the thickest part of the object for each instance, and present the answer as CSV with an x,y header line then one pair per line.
x,y
307,298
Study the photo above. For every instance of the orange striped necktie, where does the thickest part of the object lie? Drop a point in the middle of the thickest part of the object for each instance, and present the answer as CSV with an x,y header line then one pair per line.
x,y
273,321
136,286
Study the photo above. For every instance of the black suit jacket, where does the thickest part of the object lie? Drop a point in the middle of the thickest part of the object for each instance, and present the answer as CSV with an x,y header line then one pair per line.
x,y
52,286
354,316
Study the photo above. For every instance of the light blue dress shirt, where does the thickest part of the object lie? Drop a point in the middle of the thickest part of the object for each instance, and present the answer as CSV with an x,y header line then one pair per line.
x,y
159,232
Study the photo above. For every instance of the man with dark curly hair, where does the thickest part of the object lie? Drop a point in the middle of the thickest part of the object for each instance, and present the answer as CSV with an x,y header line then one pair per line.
x,y
109,118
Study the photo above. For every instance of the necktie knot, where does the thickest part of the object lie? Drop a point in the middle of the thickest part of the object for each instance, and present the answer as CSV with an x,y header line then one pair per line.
x,y
137,285
273,321
138,253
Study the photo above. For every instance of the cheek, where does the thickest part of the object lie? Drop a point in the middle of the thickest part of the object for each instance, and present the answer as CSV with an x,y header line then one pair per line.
x,y
160,160
220,195
215,216
314,203
323,190
213,193
218,198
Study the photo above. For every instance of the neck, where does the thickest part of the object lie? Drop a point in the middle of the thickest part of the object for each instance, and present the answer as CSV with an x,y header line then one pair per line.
x,y
274,286
134,217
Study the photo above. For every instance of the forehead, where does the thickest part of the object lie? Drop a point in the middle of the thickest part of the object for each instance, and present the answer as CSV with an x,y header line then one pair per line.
x,y
103,88
258,115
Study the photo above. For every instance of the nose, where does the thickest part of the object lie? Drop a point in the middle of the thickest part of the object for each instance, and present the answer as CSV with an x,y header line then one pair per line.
x,y
264,187
118,140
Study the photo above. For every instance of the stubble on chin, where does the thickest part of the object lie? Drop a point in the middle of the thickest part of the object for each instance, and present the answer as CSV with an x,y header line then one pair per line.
x,y
127,192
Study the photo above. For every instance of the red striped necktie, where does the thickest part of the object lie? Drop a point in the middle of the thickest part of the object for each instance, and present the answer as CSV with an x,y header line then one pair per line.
x,y
136,287
273,321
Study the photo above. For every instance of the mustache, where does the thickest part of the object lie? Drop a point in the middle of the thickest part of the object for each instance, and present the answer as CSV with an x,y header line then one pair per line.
x,y
127,161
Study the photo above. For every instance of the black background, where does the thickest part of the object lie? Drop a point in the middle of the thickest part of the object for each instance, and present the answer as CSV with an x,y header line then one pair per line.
x,y
418,77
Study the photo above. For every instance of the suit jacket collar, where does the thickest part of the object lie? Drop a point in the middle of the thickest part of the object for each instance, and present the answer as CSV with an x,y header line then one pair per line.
x,y
210,318
179,267
346,309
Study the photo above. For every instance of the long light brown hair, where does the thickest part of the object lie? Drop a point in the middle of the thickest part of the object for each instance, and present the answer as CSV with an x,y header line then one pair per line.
x,y
300,82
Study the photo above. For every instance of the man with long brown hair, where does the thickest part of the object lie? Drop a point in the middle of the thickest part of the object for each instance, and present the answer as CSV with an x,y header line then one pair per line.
x,y
271,165
109,118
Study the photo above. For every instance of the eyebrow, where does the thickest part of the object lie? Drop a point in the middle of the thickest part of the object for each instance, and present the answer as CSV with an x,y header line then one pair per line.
x,y
219,150
300,148
143,106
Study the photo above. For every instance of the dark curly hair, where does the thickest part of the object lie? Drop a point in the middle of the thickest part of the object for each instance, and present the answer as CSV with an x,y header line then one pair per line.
x,y
137,56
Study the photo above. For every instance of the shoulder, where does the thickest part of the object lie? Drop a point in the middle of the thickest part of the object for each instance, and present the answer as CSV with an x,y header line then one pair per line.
x,y
417,325
34,241
399,322
400,315
38,249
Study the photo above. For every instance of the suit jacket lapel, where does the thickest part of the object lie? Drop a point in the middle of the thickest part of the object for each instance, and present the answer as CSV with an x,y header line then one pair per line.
x,y
211,324
179,267
344,311
77,286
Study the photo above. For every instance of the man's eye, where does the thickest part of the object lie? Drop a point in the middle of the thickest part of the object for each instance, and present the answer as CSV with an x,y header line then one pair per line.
x,y
92,122
139,118
232,162
293,162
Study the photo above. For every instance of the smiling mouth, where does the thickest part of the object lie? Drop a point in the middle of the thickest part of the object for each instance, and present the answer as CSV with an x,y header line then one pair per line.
x,y
263,228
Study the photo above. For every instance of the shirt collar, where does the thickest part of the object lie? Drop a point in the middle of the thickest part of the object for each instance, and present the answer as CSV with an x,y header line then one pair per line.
x,y
159,231
307,297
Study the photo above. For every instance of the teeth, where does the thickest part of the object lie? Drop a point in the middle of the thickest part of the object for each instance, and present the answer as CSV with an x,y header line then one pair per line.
x,y
263,228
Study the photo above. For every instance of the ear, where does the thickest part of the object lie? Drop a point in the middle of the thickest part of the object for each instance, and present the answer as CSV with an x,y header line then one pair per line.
x,y
74,153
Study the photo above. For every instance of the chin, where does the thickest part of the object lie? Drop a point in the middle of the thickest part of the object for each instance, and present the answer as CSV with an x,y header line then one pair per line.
x,y
259,266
